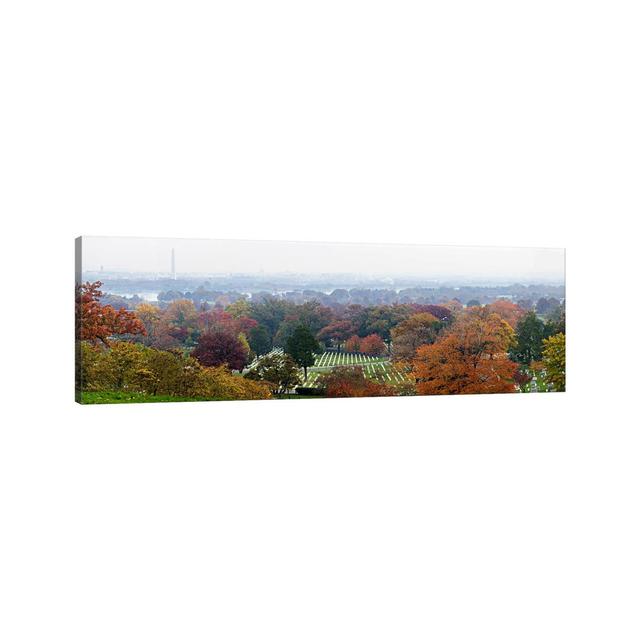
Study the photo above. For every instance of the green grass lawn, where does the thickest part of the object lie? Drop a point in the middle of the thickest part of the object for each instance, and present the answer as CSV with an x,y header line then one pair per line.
x,y
134,397
376,369
130,397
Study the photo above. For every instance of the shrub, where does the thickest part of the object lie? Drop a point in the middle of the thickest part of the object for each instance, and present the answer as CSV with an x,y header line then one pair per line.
x,y
133,367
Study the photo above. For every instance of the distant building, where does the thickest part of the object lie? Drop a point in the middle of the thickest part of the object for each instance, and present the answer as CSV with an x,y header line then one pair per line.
x,y
173,264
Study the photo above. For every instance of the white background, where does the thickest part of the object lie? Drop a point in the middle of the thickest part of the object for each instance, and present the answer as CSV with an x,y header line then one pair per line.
x,y
496,123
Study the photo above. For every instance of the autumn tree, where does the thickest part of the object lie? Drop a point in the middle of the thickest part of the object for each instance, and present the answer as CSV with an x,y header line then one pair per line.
x,y
351,382
553,360
218,320
215,320
313,315
150,317
242,338
118,366
529,335
352,344
439,311
219,383
96,323
239,308
219,348
373,345
165,335
302,347
356,316
181,313
470,358
447,368
454,306
154,372
508,311
162,373
87,358
336,332
419,329
181,318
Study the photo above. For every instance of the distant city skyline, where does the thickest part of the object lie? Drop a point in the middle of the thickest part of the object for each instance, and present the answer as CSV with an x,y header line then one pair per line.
x,y
177,256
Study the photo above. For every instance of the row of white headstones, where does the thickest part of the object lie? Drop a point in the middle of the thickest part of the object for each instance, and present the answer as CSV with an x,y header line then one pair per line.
x,y
374,367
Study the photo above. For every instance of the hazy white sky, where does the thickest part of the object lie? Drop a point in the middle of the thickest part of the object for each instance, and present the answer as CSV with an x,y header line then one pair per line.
x,y
250,256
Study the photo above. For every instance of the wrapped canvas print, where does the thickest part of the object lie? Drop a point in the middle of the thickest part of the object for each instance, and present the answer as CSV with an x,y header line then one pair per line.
x,y
168,320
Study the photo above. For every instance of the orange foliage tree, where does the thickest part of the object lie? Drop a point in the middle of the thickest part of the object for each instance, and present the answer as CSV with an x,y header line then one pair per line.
x,y
373,345
419,329
352,345
470,358
508,311
150,317
96,322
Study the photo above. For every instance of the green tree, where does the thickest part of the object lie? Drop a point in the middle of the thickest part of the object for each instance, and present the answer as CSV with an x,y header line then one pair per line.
x,y
529,336
301,346
270,312
259,340
311,314
553,359
381,319
279,370
555,322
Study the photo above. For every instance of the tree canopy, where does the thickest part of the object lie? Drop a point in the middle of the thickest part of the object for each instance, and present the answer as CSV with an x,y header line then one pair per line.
x,y
553,358
96,322
529,336
302,346
220,348
470,358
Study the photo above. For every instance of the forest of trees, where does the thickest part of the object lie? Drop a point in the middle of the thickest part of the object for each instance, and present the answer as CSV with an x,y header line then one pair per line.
x,y
270,348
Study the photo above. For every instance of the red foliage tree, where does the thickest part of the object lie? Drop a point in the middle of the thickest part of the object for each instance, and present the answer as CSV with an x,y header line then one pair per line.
x,y
373,345
336,332
350,382
352,345
218,348
96,322
218,320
